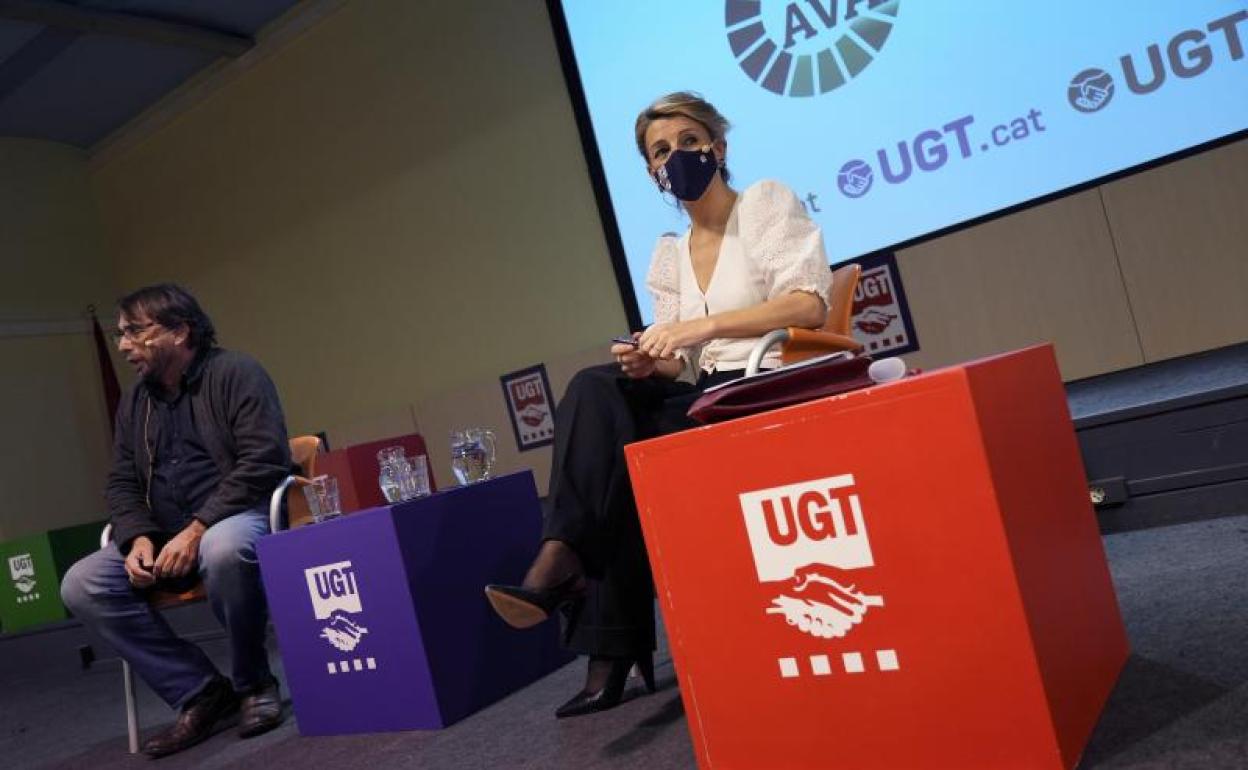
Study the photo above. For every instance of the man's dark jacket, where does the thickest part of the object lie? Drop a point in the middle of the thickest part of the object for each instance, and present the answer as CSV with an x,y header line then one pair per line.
x,y
239,420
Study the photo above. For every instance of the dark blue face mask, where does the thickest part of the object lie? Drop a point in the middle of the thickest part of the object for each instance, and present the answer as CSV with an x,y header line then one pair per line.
x,y
687,173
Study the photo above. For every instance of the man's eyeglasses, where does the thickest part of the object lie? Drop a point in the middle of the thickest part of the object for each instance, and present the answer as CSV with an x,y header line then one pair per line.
x,y
132,332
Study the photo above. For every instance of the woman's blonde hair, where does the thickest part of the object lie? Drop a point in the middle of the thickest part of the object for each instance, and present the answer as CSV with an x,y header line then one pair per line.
x,y
685,104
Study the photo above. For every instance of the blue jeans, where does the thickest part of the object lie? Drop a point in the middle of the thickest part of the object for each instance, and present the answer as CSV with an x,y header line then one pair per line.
x,y
98,592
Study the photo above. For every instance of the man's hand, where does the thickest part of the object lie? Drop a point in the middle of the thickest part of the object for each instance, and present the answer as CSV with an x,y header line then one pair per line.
x,y
662,340
139,562
181,553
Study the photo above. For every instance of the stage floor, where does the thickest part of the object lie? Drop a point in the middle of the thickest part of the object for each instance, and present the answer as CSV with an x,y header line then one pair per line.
x,y
1180,702
1166,442
1164,385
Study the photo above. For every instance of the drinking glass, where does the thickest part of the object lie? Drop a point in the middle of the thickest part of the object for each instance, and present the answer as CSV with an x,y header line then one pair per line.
x,y
472,454
390,454
322,496
314,501
390,473
415,477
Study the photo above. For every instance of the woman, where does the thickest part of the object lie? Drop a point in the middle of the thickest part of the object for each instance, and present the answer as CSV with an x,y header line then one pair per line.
x,y
750,262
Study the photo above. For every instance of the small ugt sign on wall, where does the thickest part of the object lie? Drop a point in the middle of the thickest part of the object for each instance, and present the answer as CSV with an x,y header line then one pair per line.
x,y
881,316
530,406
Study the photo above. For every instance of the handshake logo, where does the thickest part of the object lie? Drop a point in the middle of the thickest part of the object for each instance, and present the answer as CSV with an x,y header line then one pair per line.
x,y
22,570
335,597
807,535
855,178
1091,90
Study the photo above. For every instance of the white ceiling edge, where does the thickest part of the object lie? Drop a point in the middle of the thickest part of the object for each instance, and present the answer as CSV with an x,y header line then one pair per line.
x,y
271,39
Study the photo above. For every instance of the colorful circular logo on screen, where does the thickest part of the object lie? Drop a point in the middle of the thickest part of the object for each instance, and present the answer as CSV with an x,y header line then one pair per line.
x,y
809,48
1090,90
855,178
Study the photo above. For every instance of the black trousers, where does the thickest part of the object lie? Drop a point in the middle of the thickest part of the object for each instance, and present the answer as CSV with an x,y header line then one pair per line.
x,y
590,500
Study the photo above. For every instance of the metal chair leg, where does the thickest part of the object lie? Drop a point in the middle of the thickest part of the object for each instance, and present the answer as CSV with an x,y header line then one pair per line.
x,y
132,711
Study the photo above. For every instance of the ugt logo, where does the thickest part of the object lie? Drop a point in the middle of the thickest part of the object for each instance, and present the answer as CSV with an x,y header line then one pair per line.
x,y
1187,55
335,597
22,570
1091,90
807,534
530,400
855,178
809,47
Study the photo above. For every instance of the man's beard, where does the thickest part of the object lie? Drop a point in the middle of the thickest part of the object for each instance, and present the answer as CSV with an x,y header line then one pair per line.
x,y
157,365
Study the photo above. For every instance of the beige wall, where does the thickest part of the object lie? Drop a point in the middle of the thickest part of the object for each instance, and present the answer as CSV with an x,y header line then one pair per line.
x,y
1048,273
1182,237
1138,270
53,262
394,206
481,405
52,265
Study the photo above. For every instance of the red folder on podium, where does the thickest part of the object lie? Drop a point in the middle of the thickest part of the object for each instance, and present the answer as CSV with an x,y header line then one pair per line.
x,y
793,384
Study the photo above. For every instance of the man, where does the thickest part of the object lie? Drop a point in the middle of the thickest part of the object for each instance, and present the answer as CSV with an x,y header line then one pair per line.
x,y
200,444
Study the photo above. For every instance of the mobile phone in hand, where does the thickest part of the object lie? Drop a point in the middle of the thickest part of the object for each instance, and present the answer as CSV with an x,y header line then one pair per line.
x,y
624,341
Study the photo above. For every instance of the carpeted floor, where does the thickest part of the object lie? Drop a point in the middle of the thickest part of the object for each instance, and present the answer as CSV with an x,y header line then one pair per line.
x,y
1182,701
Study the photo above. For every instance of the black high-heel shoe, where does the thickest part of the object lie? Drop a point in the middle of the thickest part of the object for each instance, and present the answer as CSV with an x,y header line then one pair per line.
x,y
522,607
586,702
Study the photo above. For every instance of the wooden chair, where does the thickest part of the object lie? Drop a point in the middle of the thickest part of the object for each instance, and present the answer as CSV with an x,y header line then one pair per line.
x,y
799,344
303,452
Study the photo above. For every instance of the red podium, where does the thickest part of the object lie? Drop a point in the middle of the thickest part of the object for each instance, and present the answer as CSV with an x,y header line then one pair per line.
x,y
356,469
907,576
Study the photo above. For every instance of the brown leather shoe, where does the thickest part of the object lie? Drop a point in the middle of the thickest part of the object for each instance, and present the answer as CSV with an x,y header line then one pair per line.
x,y
261,710
200,718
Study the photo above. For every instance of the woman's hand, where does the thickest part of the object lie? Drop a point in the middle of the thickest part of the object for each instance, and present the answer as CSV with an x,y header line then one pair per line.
x,y
661,341
633,363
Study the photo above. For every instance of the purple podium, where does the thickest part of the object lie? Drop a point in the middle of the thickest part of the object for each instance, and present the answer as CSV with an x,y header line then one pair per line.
x,y
381,618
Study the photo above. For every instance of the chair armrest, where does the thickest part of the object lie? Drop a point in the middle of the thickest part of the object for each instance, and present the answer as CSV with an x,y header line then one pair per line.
x,y
768,341
808,343
275,501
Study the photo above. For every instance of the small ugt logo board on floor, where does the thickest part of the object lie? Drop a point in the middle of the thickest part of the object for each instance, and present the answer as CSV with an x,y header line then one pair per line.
x,y
336,601
812,553
22,572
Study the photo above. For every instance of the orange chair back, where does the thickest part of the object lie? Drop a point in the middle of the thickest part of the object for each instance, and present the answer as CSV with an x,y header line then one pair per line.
x,y
841,298
834,336
303,452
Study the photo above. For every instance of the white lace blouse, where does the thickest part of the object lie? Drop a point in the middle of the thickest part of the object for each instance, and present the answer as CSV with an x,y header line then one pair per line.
x,y
770,248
